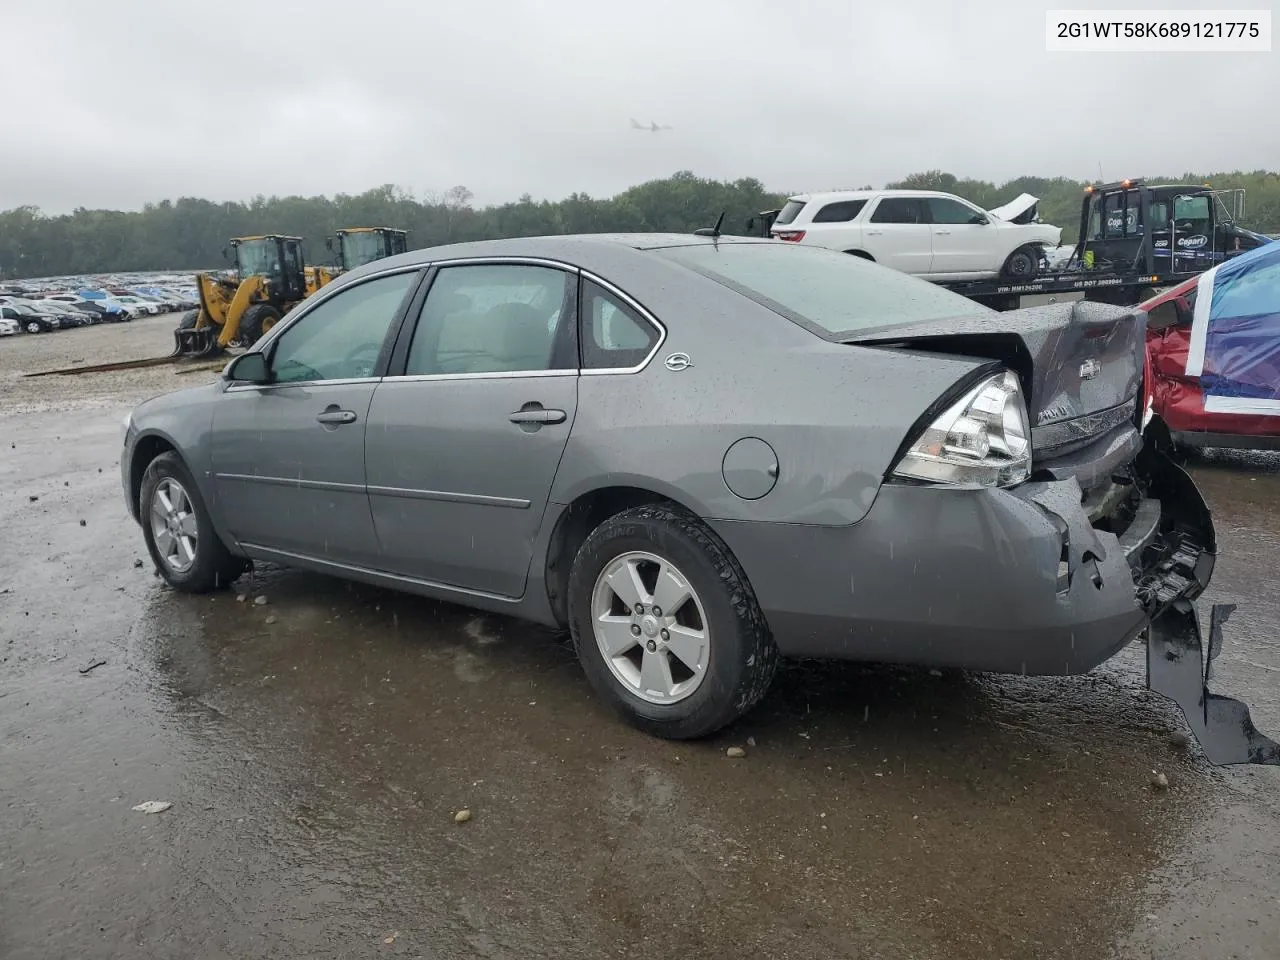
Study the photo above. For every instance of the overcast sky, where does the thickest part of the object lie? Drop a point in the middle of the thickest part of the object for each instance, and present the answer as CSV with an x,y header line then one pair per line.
x,y
120,102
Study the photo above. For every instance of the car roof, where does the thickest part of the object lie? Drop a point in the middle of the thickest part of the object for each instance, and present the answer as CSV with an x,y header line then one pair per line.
x,y
597,252
829,196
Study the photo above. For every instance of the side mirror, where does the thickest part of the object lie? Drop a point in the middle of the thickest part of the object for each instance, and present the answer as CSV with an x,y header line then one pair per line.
x,y
979,220
248,368
328,242
226,254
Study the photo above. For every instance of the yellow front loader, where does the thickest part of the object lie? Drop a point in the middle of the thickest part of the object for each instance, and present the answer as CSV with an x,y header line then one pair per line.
x,y
356,246
269,279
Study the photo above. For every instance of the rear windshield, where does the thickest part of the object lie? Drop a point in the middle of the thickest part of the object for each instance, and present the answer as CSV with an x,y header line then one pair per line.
x,y
790,211
834,295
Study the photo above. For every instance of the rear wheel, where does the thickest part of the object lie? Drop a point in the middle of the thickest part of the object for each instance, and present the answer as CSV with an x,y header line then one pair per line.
x,y
256,322
179,534
666,625
1023,264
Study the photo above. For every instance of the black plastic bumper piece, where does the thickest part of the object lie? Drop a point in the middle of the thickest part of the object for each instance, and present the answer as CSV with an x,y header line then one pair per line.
x,y
1179,668
1178,564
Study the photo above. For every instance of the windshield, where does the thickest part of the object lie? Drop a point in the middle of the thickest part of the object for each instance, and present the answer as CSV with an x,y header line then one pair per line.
x,y
830,294
257,257
360,248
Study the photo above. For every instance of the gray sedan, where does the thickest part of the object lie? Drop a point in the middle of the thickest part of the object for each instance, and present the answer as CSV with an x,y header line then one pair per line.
x,y
698,454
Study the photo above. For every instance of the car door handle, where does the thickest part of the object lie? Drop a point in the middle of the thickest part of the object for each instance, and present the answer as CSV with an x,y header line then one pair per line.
x,y
336,416
538,415
874,233
943,233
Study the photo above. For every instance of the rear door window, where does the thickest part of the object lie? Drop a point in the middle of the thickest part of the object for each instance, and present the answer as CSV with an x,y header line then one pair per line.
x,y
494,318
898,210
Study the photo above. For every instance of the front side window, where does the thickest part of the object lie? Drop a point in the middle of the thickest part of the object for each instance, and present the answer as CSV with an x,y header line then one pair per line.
x,y
945,210
341,338
830,294
494,318
897,210
614,336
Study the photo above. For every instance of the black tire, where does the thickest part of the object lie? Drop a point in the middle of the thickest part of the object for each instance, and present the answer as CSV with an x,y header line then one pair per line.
x,y
36,326
1023,264
188,320
743,656
257,320
215,566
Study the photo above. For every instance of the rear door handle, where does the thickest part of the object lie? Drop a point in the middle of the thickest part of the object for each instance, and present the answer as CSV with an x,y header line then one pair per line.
x,y
538,415
943,233
874,233
336,416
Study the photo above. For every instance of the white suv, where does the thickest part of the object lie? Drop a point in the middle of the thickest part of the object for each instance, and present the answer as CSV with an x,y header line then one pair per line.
x,y
933,235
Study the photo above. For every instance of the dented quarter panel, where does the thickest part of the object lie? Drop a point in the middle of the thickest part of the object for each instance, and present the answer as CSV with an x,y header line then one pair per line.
x,y
836,429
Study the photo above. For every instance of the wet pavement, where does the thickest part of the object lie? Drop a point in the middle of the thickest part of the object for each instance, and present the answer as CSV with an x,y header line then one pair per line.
x,y
316,748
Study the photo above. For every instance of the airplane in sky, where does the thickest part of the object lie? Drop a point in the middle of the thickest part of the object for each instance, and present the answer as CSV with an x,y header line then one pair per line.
x,y
652,127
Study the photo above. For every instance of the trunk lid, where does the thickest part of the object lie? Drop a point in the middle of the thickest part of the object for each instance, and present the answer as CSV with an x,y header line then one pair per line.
x,y
1080,364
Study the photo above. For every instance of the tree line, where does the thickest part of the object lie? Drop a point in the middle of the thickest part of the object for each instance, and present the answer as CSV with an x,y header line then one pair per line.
x,y
191,233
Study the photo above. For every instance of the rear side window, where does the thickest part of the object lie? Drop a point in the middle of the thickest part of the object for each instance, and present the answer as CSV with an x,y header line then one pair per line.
x,y
790,211
898,210
614,336
840,212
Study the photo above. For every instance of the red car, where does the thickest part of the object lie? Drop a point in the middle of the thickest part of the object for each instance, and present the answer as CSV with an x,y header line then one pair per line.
x,y
1213,355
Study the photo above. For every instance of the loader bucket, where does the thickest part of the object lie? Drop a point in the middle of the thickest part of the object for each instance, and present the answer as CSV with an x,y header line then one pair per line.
x,y
196,342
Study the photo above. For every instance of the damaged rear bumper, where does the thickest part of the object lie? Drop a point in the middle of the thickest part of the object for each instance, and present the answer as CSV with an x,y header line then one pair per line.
x,y
1167,537
1034,579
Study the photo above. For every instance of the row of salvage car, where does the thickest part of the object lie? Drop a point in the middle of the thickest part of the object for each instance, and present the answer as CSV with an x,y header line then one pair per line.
x,y
45,306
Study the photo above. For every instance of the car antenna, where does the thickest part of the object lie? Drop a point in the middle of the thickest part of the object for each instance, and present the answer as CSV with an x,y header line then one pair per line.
x,y
711,231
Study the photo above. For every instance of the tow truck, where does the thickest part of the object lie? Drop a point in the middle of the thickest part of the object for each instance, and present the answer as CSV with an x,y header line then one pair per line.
x,y
1134,239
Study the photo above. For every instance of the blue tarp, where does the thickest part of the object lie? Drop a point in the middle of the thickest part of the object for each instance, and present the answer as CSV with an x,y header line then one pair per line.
x,y
1235,334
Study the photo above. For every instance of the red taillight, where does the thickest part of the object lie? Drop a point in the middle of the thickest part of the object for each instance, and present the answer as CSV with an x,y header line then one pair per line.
x,y
794,236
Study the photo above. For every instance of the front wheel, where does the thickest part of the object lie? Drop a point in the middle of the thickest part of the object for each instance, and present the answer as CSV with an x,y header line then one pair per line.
x,y
666,625
34,327
1023,264
179,534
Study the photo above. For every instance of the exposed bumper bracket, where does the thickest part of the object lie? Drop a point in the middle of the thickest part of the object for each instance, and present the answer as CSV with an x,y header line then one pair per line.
x,y
1179,668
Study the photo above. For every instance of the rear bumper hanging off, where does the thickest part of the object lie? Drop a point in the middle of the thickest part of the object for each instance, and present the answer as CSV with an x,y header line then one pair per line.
x,y
1178,666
